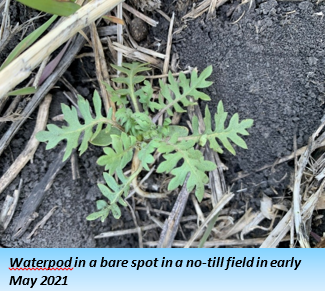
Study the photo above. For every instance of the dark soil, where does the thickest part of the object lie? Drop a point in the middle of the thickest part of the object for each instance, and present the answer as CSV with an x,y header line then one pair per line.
x,y
269,66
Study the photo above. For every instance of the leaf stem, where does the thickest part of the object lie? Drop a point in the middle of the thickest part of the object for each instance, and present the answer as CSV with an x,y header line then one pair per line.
x,y
98,121
127,183
133,97
198,137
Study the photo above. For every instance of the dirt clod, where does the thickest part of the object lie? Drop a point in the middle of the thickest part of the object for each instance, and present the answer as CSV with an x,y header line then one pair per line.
x,y
138,29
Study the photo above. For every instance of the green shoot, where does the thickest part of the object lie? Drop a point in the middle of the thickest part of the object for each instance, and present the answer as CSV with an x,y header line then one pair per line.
x,y
27,42
23,91
56,7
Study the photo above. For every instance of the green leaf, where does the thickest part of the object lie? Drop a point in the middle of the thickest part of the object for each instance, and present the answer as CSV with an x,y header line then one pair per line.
x,y
224,135
181,131
101,204
138,124
57,7
131,71
119,97
145,154
73,131
114,193
100,214
176,93
23,91
104,136
130,80
145,95
27,42
192,162
120,154
116,211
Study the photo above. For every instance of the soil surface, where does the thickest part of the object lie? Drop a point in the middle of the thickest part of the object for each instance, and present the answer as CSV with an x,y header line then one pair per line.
x,y
268,66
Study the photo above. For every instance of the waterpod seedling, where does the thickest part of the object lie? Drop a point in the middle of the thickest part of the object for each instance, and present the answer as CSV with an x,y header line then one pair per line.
x,y
132,135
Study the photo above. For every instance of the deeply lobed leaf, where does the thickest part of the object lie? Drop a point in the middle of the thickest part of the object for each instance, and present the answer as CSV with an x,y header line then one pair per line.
x,y
119,154
224,135
193,163
145,95
130,79
177,93
114,192
75,129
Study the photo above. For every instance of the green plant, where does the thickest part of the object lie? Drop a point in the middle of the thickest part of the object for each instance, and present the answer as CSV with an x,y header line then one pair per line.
x,y
56,7
132,135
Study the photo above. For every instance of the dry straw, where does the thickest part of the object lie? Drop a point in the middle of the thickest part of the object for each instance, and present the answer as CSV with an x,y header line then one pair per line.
x,y
23,66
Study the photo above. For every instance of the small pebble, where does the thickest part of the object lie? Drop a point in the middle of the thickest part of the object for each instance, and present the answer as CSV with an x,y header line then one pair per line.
x,y
138,29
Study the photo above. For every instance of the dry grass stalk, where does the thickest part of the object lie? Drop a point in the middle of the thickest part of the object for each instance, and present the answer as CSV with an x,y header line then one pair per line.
x,y
23,66
221,204
150,52
29,210
9,208
75,167
12,117
321,244
5,25
8,34
101,67
42,222
13,105
197,208
300,226
166,75
113,52
28,153
306,181
140,237
204,6
267,211
169,45
212,7
3,42
135,230
259,217
140,15
297,215
217,243
163,14
321,203
125,232
145,50
120,39
245,220
217,179
172,223
278,233
136,55
107,30
2,4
